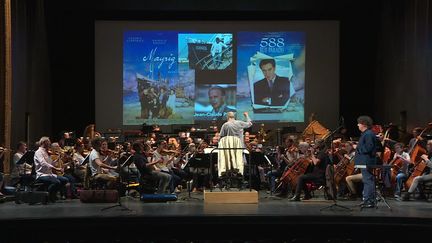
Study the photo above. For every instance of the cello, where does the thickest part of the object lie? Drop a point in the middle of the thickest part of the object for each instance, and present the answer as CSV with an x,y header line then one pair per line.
x,y
291,175
416,152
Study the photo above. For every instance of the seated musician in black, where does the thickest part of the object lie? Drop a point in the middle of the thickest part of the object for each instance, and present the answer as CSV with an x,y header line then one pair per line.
x,y
317,169
146,168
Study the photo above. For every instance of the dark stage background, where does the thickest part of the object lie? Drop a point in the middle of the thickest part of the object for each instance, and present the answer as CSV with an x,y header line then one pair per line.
x,y
385,55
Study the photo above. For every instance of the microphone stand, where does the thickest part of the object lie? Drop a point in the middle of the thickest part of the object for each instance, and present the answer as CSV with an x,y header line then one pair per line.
x,y
123,208
330,173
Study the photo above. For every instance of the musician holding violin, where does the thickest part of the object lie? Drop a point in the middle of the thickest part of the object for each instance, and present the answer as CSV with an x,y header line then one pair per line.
x,y
426,158
44,167
96,164
78,158
164,159
109,157
21,174
146,168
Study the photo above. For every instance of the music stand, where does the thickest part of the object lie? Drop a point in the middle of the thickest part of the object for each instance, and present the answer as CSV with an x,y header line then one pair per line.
x,y
86,160
211,165
379,195
196,161
27,158
330,175
265,157
119,166
127,162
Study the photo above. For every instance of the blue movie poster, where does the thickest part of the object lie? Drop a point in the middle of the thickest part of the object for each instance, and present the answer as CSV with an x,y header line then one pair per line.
x,y
155,91
270,75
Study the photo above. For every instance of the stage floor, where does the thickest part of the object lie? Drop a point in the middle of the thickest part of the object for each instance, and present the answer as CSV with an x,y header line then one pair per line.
x,y
189,218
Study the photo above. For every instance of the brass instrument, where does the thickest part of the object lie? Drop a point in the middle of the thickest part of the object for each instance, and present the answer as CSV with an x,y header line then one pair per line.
x,y
261,136
3,149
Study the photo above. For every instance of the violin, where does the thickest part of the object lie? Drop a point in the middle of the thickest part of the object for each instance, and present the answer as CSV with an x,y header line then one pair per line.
x,y
109,152
169,152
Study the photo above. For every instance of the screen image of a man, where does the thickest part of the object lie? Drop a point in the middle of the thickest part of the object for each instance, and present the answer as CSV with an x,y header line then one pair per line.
x,y
272,90
217,101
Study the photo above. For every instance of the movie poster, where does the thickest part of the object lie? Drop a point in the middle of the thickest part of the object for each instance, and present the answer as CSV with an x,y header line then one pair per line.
x,y
155,91
211,56
270,75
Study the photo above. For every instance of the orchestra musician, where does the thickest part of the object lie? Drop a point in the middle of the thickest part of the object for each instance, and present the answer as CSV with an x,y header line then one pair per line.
x,y
426,158
320,160
78,158
96,164
164,159
345,156
109,157
21,173
402,174
44,167
286,156
146,168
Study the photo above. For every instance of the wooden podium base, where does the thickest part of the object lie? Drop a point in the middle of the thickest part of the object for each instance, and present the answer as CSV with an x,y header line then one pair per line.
x,y
234,196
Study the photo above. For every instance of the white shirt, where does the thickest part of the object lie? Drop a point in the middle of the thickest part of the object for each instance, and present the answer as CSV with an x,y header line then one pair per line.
x,y
217,48
43,163
94,167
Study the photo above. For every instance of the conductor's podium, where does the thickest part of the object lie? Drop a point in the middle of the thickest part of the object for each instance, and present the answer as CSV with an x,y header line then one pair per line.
x,y
231,196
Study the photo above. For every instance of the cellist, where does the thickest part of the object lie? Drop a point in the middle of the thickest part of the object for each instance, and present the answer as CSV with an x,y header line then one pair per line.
x,y
402,173
426,158
320,160
286,157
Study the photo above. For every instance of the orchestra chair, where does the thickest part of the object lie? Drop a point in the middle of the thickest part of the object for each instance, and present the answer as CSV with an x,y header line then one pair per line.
x,y
312,187
325,185
147,184
90,183
427,189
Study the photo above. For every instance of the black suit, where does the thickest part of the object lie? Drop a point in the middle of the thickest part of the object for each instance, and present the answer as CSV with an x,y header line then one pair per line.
x,y
279,94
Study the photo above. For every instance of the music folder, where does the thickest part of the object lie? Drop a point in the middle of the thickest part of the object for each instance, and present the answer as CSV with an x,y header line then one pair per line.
x,y
128,161
86,160
28,158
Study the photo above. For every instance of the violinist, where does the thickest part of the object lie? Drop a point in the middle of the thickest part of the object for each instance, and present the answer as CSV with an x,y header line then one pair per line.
x,y
146,168
426,158
109,157
402,174
64,159
320,160
78,158
87,146
44,167
96,164
21,173
163,159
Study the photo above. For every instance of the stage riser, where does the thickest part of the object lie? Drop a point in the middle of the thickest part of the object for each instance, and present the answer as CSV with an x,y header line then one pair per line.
x,y
231,196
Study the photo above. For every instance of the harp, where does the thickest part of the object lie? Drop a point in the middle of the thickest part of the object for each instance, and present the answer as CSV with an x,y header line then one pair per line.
x,y
315,130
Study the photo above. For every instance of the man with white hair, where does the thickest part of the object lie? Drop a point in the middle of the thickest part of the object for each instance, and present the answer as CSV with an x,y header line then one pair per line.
x,y
44,169
231,135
